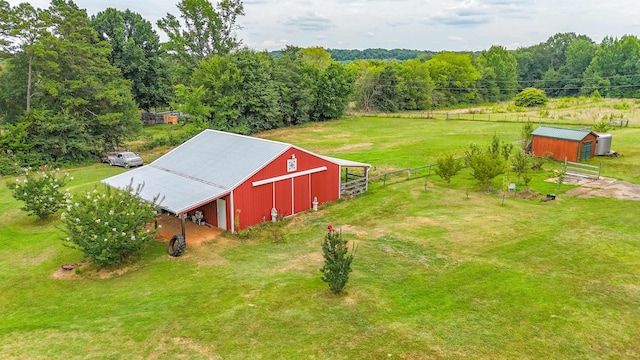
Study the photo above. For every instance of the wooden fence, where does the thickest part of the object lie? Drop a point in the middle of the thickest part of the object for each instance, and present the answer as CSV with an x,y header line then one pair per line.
x,y
582,170
354,187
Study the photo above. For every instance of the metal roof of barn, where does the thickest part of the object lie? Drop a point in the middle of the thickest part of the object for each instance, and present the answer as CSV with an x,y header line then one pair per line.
x,y
204,168
561,133
343,162
177,193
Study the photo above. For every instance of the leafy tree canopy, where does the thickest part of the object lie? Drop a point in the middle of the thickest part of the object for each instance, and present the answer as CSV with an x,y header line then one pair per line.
x,y
202,30
136,51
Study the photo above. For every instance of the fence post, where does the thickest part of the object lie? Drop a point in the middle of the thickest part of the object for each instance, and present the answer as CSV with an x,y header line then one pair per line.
x,y
409,174
384,182
599,169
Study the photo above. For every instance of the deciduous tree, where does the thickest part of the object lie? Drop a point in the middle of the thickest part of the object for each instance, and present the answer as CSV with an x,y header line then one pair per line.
x,y
447,167
201,30
108,226
136,51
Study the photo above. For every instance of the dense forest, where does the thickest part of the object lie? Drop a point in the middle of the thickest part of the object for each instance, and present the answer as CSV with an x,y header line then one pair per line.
x,y
73,85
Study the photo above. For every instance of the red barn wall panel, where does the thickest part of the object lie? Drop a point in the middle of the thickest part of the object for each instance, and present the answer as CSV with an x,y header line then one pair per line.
x,y
283,197
302,190
255,202
210,213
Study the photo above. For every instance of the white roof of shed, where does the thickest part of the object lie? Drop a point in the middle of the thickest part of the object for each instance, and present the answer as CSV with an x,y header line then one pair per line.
x,y
204,168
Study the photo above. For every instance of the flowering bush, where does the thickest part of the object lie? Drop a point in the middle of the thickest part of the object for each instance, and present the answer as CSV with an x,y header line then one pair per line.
x,y
108,226
337,260
41,191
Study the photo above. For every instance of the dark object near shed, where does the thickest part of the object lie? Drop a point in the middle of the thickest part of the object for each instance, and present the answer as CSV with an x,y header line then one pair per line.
x,y
177,244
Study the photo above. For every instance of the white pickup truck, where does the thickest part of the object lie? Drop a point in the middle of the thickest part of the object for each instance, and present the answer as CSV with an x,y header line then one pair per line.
x,y
124,158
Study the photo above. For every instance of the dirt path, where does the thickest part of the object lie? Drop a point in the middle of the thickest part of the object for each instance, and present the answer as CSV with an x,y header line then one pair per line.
x,y
195,234
603,187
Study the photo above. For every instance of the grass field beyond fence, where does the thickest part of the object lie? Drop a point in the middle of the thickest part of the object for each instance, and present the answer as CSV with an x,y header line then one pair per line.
x,y
441,271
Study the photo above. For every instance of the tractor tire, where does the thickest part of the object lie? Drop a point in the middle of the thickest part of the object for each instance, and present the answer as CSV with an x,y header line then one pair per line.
x,y
177,244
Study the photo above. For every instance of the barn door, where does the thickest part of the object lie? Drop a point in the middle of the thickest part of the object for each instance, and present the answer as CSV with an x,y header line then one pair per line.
x,y
222,213
586,150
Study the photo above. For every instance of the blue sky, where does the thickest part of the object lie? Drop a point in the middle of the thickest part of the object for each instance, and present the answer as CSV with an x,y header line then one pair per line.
x,y
413,24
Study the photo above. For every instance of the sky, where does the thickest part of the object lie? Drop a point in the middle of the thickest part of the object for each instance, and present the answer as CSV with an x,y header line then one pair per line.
x,y
436,25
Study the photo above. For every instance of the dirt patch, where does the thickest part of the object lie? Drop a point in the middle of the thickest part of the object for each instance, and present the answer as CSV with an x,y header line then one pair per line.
x,y
203,257
107,274
348,229
414,222
63,274
196,235
83,270
351,146
603,187
303,262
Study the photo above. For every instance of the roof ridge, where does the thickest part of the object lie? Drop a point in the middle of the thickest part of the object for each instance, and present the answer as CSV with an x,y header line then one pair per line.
x,y
187,176
246,137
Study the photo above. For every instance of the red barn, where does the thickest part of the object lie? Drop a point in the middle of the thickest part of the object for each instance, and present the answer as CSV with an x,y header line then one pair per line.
x,y
562,143
236,181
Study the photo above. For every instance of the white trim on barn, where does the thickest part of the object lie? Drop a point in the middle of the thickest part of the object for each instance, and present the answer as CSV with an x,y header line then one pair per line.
x,y
288,176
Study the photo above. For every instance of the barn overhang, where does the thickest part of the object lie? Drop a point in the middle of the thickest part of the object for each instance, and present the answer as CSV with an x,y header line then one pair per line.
x,y
175,193
352,183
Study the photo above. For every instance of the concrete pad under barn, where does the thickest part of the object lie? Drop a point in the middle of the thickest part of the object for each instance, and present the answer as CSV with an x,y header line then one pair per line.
x,y
195,234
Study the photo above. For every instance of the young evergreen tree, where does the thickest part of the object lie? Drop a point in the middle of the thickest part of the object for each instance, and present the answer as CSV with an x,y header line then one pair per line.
x,y
337,260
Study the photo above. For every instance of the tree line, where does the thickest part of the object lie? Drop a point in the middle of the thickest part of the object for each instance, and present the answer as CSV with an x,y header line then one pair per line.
x,y
73,85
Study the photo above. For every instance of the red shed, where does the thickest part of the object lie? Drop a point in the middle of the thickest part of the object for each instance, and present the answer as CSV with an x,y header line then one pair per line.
x,y
562,143
236,181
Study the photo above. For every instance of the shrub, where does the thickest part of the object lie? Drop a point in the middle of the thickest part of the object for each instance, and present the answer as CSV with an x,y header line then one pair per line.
x,y
447,167
601,126
108,226
485,165
41,191
521,163
622,106
531,97
337,260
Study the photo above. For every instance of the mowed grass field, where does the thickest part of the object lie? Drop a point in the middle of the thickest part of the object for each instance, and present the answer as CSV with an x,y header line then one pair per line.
x,y
440,271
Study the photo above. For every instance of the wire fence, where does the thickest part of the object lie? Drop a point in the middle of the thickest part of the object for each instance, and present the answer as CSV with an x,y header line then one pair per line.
x,y
411,173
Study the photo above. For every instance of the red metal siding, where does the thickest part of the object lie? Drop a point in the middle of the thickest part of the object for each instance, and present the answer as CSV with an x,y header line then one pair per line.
x,y
558,148
283,197
256,202
303,199
210,214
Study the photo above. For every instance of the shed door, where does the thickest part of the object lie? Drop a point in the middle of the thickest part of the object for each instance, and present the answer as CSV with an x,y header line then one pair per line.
x,y
222,213
586,150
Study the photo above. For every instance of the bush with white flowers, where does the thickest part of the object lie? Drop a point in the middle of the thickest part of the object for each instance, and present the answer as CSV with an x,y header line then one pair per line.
x,y
41,191
109,225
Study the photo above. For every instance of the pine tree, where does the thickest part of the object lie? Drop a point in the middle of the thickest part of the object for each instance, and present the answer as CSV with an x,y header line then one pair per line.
x,y
337,260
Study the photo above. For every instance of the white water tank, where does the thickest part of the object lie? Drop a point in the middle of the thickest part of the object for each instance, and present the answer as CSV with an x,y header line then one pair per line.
x,y
603,144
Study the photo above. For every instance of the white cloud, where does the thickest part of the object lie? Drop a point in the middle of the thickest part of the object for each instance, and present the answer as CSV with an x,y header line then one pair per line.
x,y
415,24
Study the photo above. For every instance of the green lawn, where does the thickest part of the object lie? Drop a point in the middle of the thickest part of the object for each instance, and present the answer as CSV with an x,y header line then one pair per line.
x,y
438,273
